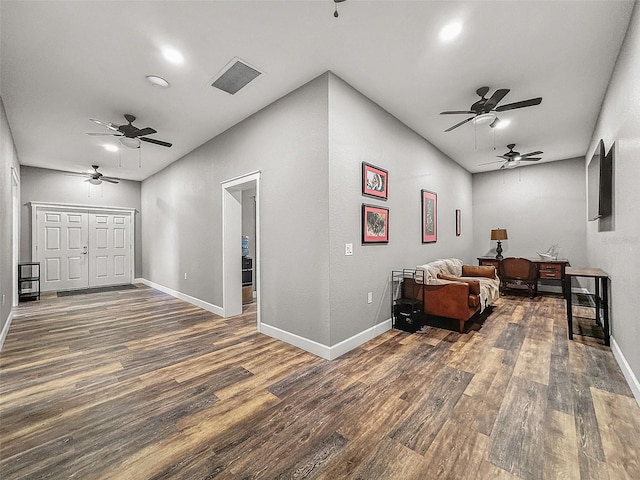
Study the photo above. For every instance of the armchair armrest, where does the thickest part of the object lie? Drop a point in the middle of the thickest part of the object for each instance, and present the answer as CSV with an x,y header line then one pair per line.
x,y
448,299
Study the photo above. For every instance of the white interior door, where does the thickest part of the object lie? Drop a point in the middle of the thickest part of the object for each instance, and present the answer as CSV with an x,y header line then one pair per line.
x,y
62,250
109,249
80,247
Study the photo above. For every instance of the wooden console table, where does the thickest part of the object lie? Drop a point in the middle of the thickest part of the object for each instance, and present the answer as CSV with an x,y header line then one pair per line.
x,y
547,269
592,300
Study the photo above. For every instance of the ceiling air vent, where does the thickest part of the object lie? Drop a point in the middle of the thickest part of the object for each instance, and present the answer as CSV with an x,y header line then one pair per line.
x,y
234,76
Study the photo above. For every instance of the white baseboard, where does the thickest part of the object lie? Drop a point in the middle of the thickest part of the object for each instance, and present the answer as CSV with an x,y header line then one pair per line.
x,y
631,378
358,339
210,307
325,351
5,329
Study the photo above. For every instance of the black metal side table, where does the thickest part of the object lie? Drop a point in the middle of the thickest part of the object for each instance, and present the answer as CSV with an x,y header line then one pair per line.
x,y
598,300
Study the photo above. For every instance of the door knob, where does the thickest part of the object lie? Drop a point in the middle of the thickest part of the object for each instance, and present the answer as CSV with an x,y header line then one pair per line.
x,y
84,252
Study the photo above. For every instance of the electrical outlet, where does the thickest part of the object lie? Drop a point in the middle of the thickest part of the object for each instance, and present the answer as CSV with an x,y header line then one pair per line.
x,y
348,249
370,297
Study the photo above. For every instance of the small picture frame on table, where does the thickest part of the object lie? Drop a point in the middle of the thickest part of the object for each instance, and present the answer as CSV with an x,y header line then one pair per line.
x,y
429,216
375,181
375,224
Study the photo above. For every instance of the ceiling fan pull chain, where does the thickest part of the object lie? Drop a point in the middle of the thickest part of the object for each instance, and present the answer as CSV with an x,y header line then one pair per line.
x,y
139,157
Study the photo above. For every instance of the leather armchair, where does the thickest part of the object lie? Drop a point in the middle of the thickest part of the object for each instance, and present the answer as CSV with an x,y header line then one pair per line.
x,y
518,271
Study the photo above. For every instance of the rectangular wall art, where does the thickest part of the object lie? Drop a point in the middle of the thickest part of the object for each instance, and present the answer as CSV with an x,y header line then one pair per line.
x,y
374,181
429,216
458,222
375,224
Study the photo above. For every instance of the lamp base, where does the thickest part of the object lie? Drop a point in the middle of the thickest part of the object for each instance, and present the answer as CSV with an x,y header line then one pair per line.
x,y
499,251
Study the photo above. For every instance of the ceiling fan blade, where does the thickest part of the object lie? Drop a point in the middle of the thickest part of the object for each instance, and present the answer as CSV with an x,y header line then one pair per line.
x,y
482,91
458,124
455,112
103,134
146,131
489,163
110,126
157,142
525,103
109,179
530,159
495,99
503,156
530,154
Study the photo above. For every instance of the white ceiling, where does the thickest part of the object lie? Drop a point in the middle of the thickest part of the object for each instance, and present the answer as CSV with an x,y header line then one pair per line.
x,y
65,62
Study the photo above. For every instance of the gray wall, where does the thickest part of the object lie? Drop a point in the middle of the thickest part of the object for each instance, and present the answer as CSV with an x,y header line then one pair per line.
x,y
9,159
360,130
618,251
539,205
44,185
181,205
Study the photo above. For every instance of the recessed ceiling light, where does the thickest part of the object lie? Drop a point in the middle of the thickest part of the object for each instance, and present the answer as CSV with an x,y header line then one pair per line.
x,y
172,55
110,147
450,31
157,81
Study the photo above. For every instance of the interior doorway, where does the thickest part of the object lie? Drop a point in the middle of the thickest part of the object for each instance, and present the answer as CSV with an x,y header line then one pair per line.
x,y
80,247
15,200
232,230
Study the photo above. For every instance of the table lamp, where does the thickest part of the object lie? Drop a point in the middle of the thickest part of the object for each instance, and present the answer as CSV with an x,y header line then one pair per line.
x,y
499,234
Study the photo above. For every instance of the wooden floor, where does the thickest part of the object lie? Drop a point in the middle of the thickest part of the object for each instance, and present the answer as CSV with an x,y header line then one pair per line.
x,y
138,385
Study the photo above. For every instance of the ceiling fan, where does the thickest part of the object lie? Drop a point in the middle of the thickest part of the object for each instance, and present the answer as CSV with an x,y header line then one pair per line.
x,y
131,135
483,109
96,178
512,159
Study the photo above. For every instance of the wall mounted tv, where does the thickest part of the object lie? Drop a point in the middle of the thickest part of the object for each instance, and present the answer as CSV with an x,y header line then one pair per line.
x,y
600,183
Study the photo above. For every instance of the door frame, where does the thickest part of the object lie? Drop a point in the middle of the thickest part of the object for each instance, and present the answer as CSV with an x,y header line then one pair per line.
x,y
37,207
232,245
15,212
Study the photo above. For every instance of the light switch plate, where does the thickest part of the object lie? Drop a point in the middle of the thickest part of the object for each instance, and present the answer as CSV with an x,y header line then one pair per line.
x,y
348,249
370,297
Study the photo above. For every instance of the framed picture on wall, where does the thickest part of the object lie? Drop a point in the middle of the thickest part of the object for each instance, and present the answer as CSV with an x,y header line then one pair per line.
x,y
429,216
375,224
375,181
458,222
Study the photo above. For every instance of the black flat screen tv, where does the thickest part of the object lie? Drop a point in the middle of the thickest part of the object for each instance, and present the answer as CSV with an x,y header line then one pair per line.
x,y
600,183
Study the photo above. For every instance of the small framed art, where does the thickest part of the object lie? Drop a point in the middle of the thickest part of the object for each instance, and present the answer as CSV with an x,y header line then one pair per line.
x,y
458,222
429,216
375,224
375,181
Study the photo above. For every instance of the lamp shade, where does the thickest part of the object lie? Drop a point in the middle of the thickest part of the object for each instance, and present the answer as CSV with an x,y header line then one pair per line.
x,y
499,234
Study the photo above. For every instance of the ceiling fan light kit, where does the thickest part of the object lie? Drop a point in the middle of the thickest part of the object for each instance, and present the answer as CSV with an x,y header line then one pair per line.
x,y
130,142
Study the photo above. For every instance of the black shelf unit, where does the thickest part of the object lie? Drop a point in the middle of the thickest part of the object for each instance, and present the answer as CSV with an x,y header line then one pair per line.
x,y
28,281
247,280
405,311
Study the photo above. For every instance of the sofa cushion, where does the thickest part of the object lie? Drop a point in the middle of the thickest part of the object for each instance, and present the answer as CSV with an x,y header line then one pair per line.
x,y
474,285
474,301
487,271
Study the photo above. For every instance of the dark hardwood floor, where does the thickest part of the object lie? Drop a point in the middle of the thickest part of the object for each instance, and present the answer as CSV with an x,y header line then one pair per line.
x,y
136,384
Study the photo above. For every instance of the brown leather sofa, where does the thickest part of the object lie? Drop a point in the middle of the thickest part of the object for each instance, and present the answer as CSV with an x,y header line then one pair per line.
x,y
457,297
